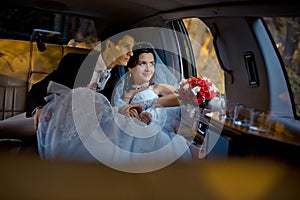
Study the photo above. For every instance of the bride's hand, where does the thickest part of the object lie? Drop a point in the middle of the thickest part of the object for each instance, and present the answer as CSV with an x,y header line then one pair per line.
x,y
131,110
145,117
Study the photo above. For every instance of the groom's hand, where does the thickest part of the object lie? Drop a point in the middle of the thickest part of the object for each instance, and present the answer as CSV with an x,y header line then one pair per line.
x,y
36,117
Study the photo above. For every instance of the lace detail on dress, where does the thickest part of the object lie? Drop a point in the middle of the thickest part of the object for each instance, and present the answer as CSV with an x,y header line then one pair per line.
x,y
68,126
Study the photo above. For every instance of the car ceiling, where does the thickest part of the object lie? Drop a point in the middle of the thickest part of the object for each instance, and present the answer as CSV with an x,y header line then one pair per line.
x,y
131,11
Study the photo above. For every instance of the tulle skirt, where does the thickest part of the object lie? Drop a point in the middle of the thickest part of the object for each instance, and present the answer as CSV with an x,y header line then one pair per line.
x,y
80,124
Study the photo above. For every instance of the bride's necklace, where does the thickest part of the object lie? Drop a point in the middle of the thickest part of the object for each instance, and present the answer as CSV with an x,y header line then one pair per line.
x,y
141,86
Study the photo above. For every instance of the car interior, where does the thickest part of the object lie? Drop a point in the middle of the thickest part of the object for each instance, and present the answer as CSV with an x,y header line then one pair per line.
x,y
250,51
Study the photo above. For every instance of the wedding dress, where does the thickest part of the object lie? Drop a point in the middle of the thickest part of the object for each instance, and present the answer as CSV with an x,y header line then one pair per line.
x,y
80,124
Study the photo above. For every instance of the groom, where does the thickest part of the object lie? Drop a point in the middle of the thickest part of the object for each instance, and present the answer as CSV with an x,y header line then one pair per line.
x,y
116,51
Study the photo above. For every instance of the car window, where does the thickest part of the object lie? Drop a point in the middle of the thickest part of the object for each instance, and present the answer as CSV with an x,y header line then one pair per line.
x,y
18,23
205,57
286,34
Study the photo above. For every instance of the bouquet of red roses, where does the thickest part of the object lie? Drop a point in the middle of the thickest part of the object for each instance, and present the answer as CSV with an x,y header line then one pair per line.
x,y
196,91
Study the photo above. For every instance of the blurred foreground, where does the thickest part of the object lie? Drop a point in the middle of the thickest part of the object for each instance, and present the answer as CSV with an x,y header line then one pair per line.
x,y
26,177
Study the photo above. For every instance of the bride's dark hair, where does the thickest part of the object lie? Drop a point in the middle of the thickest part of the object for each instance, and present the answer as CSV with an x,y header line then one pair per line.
x,y
138,49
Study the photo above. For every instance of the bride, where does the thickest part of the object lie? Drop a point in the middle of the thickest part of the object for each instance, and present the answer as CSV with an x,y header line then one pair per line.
x,y
137,134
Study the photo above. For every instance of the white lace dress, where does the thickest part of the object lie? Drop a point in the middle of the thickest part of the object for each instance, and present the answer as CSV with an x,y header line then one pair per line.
x,y
80,124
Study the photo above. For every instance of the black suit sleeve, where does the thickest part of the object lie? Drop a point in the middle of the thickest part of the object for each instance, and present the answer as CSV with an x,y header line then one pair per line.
x,y
65,74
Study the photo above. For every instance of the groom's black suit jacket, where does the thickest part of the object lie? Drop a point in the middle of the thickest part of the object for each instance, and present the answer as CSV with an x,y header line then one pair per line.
x,y
66,73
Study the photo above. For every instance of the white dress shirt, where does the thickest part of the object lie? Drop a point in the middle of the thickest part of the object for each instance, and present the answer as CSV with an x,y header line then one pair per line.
x,y
100,75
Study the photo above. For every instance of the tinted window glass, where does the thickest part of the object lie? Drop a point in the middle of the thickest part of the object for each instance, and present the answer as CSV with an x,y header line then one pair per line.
x,y
205,57
286,34
18,23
